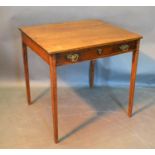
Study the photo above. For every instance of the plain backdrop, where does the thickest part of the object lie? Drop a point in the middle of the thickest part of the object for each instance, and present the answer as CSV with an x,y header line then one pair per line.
x,y
109,71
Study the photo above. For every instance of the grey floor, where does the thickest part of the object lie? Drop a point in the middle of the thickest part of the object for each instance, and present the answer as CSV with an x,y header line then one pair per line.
x,y
88,118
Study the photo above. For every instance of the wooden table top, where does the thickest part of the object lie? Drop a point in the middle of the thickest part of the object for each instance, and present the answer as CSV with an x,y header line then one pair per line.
x,y
68,36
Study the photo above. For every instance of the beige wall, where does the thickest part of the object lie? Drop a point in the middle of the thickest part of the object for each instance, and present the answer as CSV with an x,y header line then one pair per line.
x,y
113,70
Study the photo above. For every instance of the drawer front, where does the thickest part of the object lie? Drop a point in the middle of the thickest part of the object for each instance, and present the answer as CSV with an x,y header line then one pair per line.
x,y
94,53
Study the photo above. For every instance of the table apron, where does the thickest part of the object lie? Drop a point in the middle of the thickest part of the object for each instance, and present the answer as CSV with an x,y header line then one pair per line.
x,y
94,53
35,48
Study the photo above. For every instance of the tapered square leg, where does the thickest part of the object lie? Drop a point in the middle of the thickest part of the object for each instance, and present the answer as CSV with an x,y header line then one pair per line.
x,y
26,71
53,79
91,73
133,78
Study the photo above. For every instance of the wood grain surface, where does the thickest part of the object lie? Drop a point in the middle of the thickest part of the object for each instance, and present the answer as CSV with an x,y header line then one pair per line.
x,y
56,38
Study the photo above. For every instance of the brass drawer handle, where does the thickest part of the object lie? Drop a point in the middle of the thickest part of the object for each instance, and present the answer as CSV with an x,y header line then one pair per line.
x,y
73,57
124,47
99,51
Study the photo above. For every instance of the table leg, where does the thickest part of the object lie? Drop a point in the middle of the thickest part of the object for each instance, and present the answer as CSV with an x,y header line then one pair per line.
x,y
26,70
91,73
53,77
133,79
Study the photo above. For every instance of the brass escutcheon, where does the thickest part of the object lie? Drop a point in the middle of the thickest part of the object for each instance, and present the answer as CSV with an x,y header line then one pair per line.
x,y
99,51
124,47
73,57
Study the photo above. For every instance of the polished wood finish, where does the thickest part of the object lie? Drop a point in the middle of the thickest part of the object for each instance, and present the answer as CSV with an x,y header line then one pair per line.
x,y
68,36
53,78
133,78
91,73
26,72
73,42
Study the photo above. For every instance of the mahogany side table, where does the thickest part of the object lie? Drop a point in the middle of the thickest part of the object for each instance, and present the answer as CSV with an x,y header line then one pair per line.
x,y
74,42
